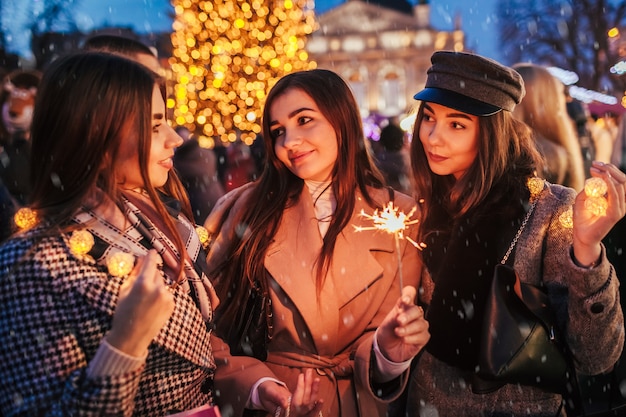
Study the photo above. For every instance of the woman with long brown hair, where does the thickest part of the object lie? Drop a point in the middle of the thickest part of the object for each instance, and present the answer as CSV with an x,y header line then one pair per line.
x,y
544,110
474,167
105,307
335,301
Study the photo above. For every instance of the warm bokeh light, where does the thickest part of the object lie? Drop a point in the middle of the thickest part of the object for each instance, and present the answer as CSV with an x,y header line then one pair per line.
x,y
597,205
567,218
535,186
596,202
81,242
25,218
120,263
203,235
227,54
595,187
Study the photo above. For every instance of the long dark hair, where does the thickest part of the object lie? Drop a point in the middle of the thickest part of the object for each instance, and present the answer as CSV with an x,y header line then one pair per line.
x,y
277,188
506,155
87,104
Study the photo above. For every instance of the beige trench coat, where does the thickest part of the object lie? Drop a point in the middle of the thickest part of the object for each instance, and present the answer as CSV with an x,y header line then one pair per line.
x,y
335,335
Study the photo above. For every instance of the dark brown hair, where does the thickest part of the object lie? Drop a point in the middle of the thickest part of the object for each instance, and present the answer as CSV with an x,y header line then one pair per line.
x,y
87,104
116,44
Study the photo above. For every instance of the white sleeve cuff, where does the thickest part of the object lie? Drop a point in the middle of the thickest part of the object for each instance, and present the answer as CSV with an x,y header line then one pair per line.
x,y
385,369
254,402
109,361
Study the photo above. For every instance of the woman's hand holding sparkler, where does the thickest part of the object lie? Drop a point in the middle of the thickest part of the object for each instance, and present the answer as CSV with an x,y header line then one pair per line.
x,y
404,331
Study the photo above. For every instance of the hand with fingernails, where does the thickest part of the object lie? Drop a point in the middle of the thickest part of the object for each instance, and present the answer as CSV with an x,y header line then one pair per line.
x,y
404,331
590,229
303,402
144,307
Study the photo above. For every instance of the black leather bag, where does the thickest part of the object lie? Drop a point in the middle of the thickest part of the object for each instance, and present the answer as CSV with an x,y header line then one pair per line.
x,y
521,344
250,332
520,341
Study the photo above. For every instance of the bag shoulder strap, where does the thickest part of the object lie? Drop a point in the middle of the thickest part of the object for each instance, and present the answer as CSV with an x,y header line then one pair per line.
x,y
520,230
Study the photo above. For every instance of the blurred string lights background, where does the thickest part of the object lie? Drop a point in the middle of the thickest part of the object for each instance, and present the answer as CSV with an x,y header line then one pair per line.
x,y
227,55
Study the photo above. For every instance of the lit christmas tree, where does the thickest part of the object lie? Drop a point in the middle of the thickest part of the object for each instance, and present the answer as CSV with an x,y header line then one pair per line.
x,y
227,54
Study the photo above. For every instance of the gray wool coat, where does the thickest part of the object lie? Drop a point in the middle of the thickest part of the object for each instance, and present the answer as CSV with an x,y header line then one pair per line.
x,y
590,308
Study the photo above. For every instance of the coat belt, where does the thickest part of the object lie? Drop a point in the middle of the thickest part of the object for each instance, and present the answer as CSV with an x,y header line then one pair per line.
x,y
336,367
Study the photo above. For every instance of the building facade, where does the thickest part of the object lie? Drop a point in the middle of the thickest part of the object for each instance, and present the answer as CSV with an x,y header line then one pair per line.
x,y
381,52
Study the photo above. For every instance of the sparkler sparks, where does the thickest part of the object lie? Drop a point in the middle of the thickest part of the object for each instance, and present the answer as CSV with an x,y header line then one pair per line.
x,y
391,220
394,221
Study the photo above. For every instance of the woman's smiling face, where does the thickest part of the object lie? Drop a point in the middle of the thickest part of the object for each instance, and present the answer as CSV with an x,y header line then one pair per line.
x,y
304,140
164,141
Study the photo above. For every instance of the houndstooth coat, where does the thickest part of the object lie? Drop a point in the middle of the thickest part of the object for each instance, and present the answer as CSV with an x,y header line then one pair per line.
x,y
55,309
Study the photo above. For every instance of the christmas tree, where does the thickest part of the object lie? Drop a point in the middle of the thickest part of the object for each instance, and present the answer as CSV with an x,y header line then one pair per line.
x,y
227,54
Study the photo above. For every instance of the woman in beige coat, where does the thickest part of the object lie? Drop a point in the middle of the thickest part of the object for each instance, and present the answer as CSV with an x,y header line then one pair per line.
x,y
337,302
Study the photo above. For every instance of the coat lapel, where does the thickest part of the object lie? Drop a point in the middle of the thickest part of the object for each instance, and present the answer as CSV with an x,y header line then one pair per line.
x,y
292,257
355,268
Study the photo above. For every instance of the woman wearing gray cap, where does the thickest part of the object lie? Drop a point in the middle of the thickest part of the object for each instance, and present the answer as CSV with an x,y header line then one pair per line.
x,y
472,162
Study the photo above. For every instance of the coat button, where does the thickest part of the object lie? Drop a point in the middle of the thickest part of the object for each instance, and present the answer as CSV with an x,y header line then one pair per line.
x,y
597,308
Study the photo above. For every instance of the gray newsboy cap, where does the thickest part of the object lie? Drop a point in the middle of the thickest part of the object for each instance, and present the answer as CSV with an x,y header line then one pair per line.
x,y
471,83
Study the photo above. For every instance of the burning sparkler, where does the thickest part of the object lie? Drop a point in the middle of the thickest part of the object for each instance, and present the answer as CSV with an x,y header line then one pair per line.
x,y
394,221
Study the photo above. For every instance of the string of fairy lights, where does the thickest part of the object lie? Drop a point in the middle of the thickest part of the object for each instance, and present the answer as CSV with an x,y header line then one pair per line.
x,y
227,54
